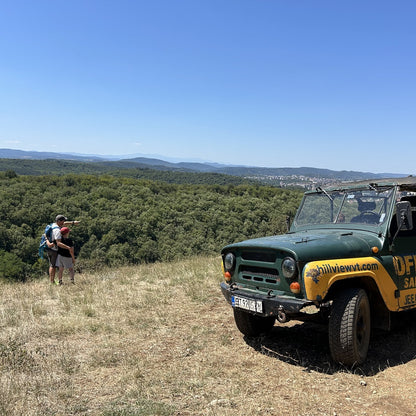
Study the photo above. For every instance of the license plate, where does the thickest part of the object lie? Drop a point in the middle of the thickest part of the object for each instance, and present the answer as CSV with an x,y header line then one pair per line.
x,y
252,305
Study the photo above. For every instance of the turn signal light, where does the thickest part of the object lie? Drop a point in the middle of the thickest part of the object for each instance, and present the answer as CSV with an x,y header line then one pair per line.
x,y
374,249
295,287
227,276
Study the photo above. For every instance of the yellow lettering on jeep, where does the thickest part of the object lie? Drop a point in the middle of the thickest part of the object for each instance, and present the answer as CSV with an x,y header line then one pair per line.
x,y
409,282
409,264
399,265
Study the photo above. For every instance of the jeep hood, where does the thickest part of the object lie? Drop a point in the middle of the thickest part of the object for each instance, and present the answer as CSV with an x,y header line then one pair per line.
x,y
309,246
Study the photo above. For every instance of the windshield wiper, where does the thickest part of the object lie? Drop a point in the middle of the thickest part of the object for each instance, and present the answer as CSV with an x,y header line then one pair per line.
x,y
319,189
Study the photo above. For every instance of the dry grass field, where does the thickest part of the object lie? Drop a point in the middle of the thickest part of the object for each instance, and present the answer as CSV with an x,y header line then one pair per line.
x,y
160,340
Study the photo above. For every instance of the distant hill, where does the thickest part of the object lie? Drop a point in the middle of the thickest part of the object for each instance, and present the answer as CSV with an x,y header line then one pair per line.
x,y
26,167
259,171
31,155
306,177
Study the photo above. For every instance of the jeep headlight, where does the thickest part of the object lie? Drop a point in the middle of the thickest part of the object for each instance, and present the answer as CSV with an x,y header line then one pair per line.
x,y
289,268
229,262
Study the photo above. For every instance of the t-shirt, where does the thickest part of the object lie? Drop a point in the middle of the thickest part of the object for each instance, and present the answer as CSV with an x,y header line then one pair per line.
x,y
56,235
63,251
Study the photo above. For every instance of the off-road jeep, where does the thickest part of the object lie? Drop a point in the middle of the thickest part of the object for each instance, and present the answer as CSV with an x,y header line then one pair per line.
x,y
349,255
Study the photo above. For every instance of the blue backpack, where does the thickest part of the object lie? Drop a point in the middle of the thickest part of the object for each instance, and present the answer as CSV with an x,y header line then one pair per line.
x,y
46,235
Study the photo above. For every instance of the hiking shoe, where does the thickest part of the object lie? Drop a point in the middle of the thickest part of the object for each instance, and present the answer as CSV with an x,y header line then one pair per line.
x,y
60,283
55,282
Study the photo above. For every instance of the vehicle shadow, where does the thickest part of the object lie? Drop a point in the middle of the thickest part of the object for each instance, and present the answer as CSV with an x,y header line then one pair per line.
x,y
305,344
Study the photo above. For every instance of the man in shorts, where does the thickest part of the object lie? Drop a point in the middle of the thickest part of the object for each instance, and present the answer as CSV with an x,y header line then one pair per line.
x,y
66,257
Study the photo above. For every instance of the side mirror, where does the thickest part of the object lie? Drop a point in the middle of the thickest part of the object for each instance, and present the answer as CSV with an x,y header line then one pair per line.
x,y
404,216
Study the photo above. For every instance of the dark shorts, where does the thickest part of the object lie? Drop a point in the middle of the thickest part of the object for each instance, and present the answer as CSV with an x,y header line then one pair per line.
x,y
52,256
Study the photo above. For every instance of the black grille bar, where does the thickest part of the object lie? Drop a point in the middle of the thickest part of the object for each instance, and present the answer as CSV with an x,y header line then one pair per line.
x,y
267,257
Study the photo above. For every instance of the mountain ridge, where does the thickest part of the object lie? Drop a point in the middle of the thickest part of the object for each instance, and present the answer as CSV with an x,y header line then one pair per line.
x,y
263,173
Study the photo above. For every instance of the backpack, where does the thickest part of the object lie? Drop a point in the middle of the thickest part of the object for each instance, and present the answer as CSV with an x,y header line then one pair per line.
x,y
47,234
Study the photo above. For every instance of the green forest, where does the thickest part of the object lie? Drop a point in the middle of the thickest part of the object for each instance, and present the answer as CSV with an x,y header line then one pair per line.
x,y
118,169
126,221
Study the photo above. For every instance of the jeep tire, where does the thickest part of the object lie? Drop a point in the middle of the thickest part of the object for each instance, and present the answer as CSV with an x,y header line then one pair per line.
x,y
350,327
253,325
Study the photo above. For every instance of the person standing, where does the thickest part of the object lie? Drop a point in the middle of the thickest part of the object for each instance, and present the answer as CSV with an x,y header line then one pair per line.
x,y
52,246
66,257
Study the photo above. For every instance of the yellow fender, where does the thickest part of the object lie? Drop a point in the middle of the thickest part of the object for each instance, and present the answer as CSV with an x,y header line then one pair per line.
x,y
319,276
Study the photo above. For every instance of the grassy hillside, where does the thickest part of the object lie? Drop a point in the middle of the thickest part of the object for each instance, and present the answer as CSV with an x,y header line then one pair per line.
x,y
160,340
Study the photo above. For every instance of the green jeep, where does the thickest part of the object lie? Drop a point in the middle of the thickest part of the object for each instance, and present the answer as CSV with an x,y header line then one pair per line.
x,y
349,258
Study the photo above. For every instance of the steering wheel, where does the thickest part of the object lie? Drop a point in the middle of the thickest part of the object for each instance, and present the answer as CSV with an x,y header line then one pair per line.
x,y
369,217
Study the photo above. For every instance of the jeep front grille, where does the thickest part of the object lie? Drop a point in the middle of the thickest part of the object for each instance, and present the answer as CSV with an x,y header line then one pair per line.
x,y
259,274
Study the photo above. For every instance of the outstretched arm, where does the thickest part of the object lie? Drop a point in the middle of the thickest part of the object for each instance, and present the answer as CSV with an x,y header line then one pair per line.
x,y
71,223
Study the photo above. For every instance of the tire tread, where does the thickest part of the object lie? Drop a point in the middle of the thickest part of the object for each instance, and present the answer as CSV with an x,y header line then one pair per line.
x,y
341,327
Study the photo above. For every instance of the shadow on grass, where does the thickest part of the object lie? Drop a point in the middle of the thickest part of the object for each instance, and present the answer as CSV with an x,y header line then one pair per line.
x,y
305,344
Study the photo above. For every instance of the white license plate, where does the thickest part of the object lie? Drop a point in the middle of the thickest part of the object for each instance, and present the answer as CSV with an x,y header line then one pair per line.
x,y
252,305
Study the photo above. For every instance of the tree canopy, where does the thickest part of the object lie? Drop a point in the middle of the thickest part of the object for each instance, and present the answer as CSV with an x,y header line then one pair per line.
x,y
131,221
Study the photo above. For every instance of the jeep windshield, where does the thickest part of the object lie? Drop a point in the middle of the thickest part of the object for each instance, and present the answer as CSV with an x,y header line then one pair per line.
x,y
368,206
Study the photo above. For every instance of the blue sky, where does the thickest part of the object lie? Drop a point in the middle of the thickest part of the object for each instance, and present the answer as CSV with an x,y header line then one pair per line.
x,y
278,83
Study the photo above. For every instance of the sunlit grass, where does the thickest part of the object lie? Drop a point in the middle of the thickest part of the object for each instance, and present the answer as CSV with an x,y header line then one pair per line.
x,y
159,339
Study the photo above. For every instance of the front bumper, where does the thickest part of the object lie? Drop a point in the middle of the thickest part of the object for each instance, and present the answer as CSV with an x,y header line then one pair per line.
x,y
273,305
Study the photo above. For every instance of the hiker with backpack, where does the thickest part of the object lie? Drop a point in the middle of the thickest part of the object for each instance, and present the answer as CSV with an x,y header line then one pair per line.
x,y
53,241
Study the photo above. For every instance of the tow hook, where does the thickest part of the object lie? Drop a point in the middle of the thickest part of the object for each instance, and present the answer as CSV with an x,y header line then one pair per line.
x,y
281,315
